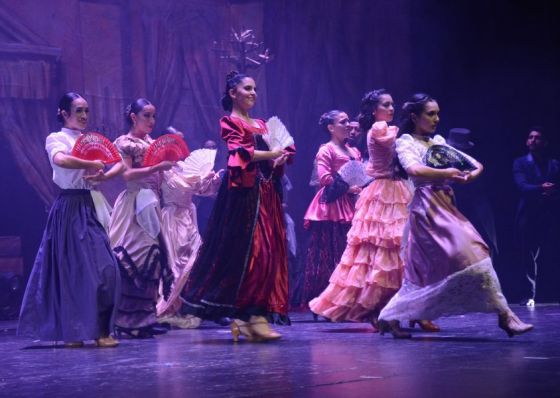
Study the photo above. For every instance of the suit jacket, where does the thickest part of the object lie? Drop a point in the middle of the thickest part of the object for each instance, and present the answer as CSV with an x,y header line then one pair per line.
x,y
528,179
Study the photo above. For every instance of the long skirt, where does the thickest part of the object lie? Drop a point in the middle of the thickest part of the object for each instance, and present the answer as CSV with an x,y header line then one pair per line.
x,y
448,270
143,263
242,266
73,286
370,271
327,243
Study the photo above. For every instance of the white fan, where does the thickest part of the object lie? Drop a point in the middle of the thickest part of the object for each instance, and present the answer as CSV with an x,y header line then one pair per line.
x,y
354,173
199,162
278,136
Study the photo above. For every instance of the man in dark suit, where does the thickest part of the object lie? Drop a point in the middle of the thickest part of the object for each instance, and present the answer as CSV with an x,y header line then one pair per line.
x,y
537,177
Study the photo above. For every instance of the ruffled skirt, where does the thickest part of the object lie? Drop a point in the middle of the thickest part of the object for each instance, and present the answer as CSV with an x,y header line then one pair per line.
x,y
370,270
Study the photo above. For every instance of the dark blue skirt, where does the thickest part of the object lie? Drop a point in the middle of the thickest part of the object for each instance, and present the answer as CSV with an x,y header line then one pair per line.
x,y
73,286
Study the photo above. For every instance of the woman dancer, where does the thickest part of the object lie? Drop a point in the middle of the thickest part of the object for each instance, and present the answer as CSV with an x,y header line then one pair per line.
x,y
242,267
330,213
135,229
448,270
370,270
73,287
180,230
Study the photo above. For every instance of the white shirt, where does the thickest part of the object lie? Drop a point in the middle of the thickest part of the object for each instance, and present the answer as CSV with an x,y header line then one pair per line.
x,y
411,151
63,141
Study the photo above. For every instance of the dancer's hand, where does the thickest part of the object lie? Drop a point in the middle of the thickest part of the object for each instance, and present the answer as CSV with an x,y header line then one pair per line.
x,y
354,189
456,175
97,177
280,160
164,165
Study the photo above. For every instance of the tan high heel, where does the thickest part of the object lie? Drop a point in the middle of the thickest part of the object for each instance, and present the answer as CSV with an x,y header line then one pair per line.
x,y
425,325
107,342
512,325
239,327
261,328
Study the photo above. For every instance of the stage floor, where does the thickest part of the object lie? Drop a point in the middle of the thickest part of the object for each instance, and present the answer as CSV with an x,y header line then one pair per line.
x,y
471,357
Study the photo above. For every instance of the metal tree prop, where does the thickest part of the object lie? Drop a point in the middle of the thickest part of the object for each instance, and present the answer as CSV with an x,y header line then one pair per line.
x,y
243,50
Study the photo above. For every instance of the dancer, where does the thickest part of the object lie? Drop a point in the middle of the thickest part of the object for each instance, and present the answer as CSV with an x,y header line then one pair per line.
x,y
242,267
135,229
331,210
180,231
73,286
448,270
371,270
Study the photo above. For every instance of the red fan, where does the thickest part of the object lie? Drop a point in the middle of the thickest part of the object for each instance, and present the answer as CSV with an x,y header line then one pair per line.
x,y
167,147
94,146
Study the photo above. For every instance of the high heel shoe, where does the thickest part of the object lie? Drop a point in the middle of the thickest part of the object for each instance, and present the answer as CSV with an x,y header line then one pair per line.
x,y
239,327
107,342
260,328
512,325
73,344
394,328
427,326
141,333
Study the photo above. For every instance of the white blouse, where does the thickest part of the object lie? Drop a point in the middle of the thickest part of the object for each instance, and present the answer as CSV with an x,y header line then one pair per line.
x,y
411,151
63,141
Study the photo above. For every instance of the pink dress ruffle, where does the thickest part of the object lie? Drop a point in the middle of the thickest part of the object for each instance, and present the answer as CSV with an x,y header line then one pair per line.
x,y
370,271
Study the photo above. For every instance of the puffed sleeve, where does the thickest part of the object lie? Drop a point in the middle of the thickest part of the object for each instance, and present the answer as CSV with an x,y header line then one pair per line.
x,y
383,134
54,144
324,165
406,151
241,150
126,147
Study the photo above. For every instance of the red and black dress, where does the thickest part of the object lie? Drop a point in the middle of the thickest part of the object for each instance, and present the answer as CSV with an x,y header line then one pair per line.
x,y
242,266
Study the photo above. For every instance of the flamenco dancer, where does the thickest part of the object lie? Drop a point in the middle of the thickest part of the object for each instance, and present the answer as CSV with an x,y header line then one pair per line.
x,y
242,267
370,271
330,213
448,270
73,286
180,230
135,229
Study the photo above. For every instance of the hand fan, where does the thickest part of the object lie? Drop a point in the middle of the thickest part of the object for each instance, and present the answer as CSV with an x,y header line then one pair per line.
x,y
278,136
199,162
94,146
354,173
443,157
167,147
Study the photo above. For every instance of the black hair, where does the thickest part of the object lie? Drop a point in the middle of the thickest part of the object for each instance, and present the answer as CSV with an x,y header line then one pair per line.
x,y
415,105
540,130
328,118
65,104
135,108
233,78
369,103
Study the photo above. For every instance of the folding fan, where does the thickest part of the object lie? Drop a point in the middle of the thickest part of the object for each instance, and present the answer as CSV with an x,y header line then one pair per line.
x,y
167,147
94,146
444,156
354,173
199,162
278,136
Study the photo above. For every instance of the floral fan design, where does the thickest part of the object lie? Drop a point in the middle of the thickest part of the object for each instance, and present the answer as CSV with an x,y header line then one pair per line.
x,y
444,156
354,173
94,146
278,136
167,147
199,162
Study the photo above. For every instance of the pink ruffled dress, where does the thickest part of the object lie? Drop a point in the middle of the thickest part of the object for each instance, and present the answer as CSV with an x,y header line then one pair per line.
x,y
370,271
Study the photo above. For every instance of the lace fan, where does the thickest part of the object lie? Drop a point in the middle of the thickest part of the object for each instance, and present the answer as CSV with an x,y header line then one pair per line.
x,y
94,146
199,162
354,173
167,147
278,136
443,157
